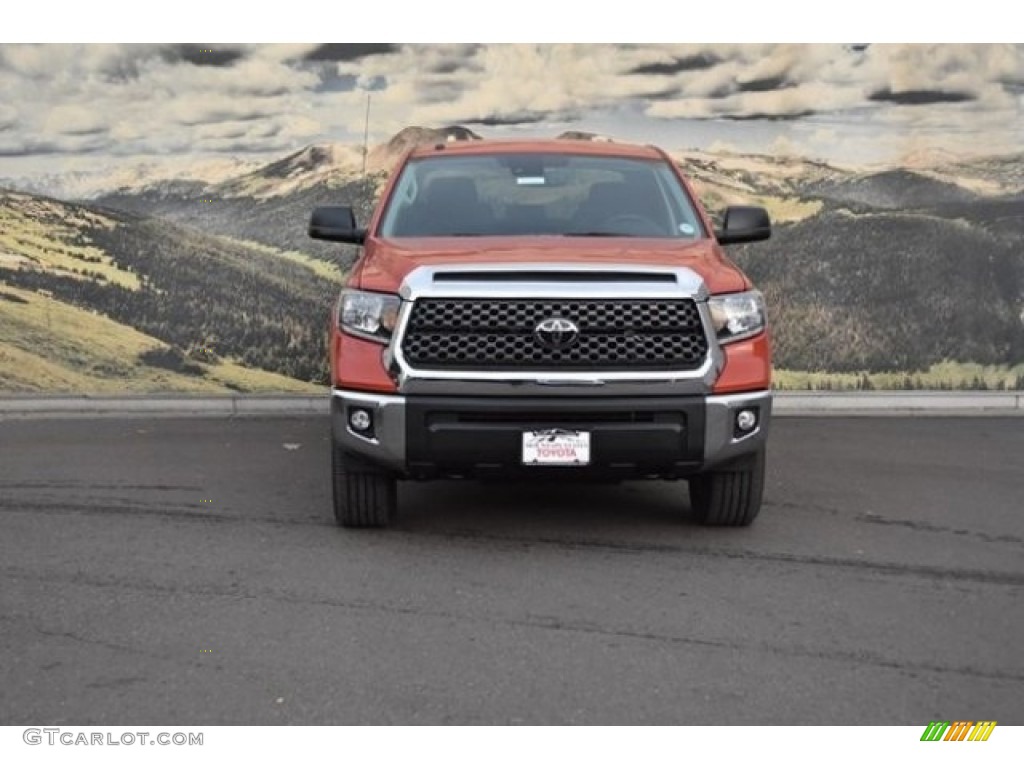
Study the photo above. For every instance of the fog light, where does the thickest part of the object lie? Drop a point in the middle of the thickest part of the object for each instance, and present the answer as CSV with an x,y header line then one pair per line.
x,y
746,420
360,420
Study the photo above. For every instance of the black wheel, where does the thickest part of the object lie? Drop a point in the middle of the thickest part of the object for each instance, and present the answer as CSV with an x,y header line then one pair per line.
x,y
365,496
730,495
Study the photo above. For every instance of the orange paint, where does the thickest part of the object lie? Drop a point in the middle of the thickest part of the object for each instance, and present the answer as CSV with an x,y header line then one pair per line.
x,y
358,364
748,366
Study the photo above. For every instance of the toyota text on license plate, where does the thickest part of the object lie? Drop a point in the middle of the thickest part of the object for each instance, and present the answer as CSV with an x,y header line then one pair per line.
x,y
556,446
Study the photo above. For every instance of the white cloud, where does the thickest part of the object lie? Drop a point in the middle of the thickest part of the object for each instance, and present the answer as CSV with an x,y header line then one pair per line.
x,y
963,68
8,116
139,99
74,120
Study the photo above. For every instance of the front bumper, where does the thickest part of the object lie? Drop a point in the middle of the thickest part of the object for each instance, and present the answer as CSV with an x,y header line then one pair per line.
x,y
425,436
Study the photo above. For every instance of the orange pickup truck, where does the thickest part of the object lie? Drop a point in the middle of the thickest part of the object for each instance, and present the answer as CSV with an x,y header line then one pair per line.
x,y
546,309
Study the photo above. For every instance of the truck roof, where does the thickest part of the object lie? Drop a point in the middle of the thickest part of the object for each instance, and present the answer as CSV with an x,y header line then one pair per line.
x,y
524,146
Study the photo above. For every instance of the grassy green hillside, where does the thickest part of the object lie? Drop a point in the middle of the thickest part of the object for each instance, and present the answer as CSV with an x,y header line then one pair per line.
x,y
49,346
946,375
42,233
778,184
218,307
279,221
888,291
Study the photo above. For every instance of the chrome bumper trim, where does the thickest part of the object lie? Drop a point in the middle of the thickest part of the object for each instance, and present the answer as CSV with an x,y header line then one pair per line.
x,y
719,443
387,447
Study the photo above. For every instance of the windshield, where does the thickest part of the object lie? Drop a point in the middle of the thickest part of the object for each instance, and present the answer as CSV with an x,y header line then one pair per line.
x,y
539,194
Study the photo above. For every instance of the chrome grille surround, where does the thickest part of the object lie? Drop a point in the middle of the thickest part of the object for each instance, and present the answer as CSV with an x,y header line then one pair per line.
x,y
502,334
560,283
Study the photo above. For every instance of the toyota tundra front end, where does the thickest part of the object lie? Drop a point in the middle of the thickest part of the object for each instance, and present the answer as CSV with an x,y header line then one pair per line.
x,y
546,310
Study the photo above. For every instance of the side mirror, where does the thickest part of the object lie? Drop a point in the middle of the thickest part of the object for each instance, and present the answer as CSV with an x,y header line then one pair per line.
x,y
336,223
744,224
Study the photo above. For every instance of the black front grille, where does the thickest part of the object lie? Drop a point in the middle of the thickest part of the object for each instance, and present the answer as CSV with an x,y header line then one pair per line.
x,y
499,334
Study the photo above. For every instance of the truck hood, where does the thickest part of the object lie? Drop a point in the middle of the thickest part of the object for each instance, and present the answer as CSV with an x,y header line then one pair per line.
x,y
386,262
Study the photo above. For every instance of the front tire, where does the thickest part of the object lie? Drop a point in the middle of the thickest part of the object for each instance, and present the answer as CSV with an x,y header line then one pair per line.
x,y
365,496
730,495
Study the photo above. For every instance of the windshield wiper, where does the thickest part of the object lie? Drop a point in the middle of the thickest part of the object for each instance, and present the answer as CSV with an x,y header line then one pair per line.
x,y
596,233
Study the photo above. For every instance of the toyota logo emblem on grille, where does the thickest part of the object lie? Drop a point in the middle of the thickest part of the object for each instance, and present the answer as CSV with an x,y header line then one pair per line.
x,y
556,333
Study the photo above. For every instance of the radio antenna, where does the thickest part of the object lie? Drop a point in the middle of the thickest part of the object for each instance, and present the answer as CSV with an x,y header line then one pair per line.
x,y
366,133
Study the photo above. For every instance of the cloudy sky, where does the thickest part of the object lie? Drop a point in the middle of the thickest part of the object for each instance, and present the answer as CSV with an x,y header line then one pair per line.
x,y
68,106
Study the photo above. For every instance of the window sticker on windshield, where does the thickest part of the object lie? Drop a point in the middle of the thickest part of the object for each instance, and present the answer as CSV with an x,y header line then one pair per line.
x,y
687,229
531,181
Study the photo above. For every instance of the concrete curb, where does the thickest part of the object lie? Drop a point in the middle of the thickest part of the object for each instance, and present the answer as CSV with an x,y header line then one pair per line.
x,y
897,403
42,406
786,404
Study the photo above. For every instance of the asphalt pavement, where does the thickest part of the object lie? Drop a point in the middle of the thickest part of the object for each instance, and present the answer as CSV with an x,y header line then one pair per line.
x,y
187,571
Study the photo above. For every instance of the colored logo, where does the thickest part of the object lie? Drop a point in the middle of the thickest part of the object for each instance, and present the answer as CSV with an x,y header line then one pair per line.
x,y
960,730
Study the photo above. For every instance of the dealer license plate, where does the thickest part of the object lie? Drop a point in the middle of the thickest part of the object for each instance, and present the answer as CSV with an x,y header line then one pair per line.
x,y
564,447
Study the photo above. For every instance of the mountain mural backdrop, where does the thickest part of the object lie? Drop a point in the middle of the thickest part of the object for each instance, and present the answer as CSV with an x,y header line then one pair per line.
x,y
896,270
138,274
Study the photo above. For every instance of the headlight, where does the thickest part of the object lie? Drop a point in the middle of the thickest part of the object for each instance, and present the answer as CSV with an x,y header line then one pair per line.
x,y
368,315
736,316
